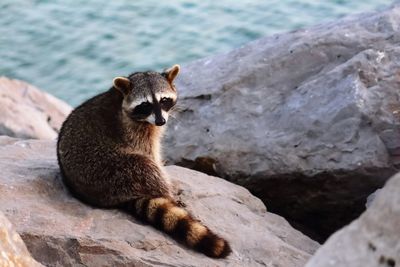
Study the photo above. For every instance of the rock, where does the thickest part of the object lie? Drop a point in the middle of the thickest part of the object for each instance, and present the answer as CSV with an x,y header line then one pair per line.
x,y
371,198
13,251
27,112
61,231
309,121
372,240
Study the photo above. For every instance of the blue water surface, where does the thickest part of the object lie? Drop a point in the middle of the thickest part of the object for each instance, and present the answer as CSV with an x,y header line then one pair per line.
x,y
74,48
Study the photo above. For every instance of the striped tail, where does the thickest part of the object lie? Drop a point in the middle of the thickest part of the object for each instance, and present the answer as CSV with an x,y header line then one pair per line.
x,y
165,215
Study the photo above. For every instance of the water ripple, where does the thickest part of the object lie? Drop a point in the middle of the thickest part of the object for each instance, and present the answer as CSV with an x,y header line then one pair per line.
x,y
74,48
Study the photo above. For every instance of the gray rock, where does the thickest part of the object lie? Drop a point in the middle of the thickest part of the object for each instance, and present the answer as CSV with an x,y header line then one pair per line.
x,y
13,251
27,112
371,198
372,240
309,120
61,231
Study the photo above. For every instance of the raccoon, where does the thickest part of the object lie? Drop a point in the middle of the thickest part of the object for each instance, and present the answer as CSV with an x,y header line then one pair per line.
x,y
109,155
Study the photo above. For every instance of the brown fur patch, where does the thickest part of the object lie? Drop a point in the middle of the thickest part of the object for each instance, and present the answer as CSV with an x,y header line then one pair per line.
x,y
142,214
196,232
213,246
153,205
172,217
139,206
218,246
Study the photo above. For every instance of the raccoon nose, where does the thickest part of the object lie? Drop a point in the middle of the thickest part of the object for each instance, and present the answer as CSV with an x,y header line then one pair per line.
x,y
160,121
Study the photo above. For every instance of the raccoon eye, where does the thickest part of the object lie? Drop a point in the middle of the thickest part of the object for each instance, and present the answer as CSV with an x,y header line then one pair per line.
x,y
166,103
144,109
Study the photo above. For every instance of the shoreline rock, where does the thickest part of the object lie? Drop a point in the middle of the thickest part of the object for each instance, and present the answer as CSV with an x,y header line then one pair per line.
x,y
61,231
13,251
308,121
27,112
371,240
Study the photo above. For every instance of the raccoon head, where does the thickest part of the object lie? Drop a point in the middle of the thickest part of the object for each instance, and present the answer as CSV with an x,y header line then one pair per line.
x,y
148,96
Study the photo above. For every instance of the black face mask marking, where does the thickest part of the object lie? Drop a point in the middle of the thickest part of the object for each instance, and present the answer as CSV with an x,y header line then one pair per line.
x,y
145,109
166,103
142,111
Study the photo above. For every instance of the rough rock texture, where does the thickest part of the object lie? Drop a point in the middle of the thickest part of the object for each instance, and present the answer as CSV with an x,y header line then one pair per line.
x,y
371,198
27,112
373,240
13,251
309,121
60,231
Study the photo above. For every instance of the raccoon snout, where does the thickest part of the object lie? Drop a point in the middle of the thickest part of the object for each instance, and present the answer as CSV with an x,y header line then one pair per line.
x,y
160,121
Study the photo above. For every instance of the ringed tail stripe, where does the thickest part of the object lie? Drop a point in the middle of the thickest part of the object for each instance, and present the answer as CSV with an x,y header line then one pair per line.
x,y
164,214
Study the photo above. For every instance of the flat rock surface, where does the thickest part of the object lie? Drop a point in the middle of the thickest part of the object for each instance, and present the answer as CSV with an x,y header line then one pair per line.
x,y
27,112
13,251
60,231
309,121
372,240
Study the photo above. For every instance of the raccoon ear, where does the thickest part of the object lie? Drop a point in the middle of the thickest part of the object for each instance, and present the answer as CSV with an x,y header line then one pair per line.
x,y
122,84
172,72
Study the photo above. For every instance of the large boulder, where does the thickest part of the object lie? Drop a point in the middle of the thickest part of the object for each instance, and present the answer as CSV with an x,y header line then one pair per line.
x,y
309,120
61,231
372,240
13,251
27,112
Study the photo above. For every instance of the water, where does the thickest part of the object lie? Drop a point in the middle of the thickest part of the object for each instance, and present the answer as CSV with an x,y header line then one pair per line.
x,y
74,48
